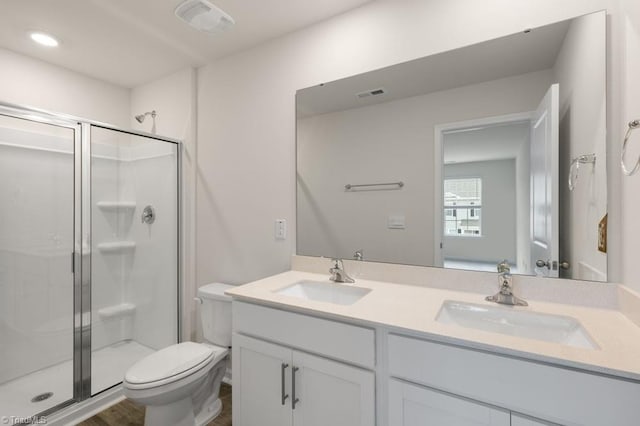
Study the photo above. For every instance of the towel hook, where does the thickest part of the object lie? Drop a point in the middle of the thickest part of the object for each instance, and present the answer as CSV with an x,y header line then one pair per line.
x,y
632,125
575,167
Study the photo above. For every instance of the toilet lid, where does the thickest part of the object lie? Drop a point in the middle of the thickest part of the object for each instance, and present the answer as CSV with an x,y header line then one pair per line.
x,y
168,362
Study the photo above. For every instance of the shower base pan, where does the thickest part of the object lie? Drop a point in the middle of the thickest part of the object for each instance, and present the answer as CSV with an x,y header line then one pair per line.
x,y
46,388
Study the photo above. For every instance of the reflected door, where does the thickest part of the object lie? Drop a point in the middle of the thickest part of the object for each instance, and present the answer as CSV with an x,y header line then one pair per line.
x,y
36,276
544,185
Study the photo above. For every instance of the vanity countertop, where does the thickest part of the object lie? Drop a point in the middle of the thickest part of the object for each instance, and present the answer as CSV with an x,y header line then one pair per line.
x,y
413,310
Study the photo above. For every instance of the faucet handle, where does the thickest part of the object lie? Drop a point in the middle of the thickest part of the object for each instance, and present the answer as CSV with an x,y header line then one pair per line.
x,y
504,267
336,266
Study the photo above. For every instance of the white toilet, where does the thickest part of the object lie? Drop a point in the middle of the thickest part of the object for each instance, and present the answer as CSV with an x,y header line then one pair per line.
x,y
179,385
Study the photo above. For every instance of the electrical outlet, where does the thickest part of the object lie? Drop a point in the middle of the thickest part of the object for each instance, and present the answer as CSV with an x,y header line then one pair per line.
x,y
281,229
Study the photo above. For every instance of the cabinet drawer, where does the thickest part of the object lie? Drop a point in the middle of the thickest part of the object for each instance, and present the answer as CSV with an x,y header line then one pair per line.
x,y
553,393
332,339
411,405
518,420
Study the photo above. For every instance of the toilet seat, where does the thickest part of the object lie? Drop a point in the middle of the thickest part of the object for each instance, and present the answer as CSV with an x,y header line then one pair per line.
x,y
172,364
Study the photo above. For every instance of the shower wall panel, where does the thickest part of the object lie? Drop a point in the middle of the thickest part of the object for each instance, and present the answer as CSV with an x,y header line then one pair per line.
x,y
134,263
154,272
109,226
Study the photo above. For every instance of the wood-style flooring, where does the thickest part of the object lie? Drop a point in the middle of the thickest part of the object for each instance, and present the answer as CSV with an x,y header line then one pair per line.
x,y
127,413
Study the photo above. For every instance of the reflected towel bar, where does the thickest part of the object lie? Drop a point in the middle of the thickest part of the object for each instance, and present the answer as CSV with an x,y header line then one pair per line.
x,y
575,167
632,125
367,185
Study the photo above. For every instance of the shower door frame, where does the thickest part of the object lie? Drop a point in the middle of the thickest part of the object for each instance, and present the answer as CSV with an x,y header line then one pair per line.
x,y
81,255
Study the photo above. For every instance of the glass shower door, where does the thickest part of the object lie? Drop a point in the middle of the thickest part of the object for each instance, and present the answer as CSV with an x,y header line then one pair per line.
x,y
36,276
134,246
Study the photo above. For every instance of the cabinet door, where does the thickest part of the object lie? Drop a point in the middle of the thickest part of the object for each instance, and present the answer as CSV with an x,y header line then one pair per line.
x,y
332,393
411,405
519,420
258,383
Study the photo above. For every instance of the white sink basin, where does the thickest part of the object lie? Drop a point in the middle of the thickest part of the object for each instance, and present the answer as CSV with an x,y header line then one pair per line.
x,y
514,322
338,294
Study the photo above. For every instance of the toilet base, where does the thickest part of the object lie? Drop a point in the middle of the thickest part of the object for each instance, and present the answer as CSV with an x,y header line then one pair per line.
x,y
180,413
209,413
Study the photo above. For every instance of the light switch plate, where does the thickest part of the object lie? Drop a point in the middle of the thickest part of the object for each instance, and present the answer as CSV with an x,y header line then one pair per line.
x,y
396,222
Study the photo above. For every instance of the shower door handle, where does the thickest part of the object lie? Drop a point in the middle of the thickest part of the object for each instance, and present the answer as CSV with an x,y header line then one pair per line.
x,y
283,396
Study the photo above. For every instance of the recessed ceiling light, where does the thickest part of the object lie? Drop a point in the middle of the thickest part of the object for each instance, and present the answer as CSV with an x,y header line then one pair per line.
x,y
44,39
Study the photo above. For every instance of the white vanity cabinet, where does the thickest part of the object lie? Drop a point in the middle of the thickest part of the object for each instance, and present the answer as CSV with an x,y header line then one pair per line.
x,y
332,393
412,405
518,420
264,371
544,391
352,375
283,384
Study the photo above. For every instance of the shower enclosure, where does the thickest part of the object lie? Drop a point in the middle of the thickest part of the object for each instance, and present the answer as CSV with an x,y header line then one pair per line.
x,y
89,257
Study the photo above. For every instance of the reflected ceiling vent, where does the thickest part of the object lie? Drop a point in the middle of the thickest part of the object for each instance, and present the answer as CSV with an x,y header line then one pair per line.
x,y
204,16
368,93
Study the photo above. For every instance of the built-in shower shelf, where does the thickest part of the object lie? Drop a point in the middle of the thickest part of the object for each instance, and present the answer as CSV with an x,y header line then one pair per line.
x,y
116,205
117,311
116,246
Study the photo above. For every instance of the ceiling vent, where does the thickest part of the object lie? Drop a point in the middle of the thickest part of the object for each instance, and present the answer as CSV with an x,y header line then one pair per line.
x,y
368,93
204,16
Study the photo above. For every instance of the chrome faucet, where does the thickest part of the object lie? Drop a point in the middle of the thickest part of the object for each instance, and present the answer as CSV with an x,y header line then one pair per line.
x,y
358,255
338,274
505,296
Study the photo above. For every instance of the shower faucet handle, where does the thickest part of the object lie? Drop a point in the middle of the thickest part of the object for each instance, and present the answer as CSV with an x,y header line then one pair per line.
x,y
148,215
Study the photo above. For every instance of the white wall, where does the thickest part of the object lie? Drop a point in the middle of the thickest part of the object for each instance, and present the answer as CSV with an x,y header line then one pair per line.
x,y
581,72
630,91
174,99
246,133
364,145
498,236
30,82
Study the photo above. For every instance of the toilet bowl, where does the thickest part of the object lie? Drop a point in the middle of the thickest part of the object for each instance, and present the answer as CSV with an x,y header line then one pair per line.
x,y
180,384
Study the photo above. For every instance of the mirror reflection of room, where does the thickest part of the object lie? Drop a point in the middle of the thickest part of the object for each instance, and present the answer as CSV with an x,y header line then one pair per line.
x,y
483,139
482,200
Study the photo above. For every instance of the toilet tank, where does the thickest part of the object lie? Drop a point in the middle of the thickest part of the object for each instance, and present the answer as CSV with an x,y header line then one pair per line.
x,y
215,314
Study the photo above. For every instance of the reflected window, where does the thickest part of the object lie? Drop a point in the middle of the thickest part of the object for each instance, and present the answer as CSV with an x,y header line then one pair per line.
x,y
463,207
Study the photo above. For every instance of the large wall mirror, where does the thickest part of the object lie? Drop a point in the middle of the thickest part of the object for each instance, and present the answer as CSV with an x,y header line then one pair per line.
x,y
465,158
